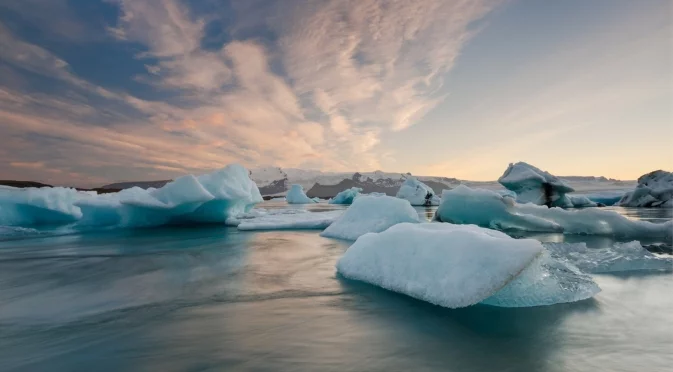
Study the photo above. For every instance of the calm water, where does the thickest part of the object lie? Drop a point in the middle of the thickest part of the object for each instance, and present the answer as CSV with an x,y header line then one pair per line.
x,y
216,299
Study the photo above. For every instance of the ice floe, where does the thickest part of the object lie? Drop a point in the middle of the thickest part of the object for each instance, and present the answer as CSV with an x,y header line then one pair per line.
x,y
622,257
654,189
417,193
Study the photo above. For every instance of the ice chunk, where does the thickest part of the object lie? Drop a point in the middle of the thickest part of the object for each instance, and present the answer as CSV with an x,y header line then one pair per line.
x,y
621,257
486,208
346,197
39,206
581,201
654,189
545,282
290,221
456,266
296,195
533,185
604,198
371,214
417,193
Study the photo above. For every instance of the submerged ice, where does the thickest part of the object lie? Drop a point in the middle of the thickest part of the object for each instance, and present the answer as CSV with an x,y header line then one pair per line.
x,y
486,208
286,221
622,257
417,193
461,265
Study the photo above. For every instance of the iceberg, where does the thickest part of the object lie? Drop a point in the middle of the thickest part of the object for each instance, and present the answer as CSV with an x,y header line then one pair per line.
x,y
290,221
533,185
346,196
486,208
417,193
581,201
39,206
622,257
603,198
654,189
371,214
296,195
461,265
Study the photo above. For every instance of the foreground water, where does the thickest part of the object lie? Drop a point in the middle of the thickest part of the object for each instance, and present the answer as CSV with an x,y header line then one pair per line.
x,y
213,298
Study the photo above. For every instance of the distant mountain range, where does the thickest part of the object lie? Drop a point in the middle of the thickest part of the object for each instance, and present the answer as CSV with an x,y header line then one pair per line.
x,y
274,181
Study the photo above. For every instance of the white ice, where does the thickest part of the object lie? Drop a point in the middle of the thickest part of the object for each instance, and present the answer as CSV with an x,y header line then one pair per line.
x,y
486,208
417,193
287,221
619,258
528,182
654,189
346,196
371,214
296,195
460,265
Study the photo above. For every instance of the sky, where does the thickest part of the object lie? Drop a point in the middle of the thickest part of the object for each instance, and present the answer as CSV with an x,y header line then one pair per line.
x,y
98,91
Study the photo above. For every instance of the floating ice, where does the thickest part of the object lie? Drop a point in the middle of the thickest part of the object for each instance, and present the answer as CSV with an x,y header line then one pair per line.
x,y
581,201
347,196
288,221
464,205
621,257
605,198
533,185
371,214
296,195
417,193
654,189
39,206
456,266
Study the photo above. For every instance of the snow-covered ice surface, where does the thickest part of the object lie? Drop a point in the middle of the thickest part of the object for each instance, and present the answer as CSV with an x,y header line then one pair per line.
x,y
486,208
285,221
208,198
417,193
296,195
654,189
622,257
460,265
371,214
346,196
528,182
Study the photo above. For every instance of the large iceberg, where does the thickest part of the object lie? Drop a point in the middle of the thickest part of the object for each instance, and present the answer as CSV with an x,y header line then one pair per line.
x,y
287,221
533,185
371,214
457,266
654,189
621,257
486,208
346,196
209,198
296,195
417,193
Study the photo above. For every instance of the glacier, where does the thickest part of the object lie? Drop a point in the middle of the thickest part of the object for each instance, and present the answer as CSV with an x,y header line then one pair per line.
x,y
456,266
486,208
654,189
370,213
417,193
288,221
296,195
622,257
208,198
346,196
533,185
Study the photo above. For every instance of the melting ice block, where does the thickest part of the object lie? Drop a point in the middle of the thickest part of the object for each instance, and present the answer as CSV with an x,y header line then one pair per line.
x,y
654,189
290,221
533,185
461,265
371,214
347,196
417,193
619,258
296,195
486,208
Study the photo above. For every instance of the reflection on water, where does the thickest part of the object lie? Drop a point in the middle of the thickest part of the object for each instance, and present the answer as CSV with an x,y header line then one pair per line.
x,y
214,298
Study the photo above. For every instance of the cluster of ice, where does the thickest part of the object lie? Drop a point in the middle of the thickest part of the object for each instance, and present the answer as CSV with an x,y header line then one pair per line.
x,y
371,214
209,198
486,208
456,266
654,189
417,193
296,195
290,221
619,258
533,185
346,196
